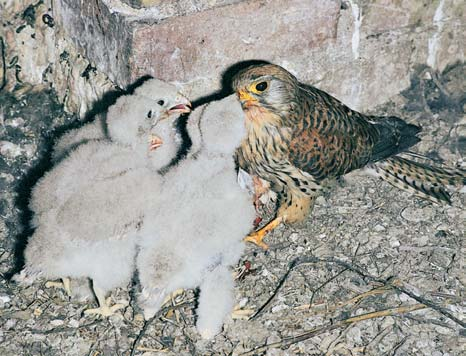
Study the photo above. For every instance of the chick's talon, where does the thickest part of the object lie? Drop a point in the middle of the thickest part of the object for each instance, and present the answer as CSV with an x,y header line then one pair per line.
x,y
65,284
104,310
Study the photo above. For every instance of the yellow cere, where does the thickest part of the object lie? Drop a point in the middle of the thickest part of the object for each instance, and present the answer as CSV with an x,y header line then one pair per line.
x,y
245,96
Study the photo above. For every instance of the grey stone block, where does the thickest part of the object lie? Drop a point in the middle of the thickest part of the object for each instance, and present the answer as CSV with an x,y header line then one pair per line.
x,y
362,52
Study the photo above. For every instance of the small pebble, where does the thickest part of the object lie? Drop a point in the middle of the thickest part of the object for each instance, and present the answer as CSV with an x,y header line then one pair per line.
x,y
387,321
275,352
9,149
442,330
57,322
294,237
4,299
278,308
413,214
441,234
422,240
320,200
265,272
354,335
242,303
394,243
379,228
15,122
10,324
30,150
73,323
273,338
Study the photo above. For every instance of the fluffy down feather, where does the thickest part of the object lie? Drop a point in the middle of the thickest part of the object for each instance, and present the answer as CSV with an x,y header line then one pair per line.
x,y
195,231
89,208
95,130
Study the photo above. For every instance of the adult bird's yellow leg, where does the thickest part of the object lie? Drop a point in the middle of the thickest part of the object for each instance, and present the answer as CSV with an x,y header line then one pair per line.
x,y
257,236
104,308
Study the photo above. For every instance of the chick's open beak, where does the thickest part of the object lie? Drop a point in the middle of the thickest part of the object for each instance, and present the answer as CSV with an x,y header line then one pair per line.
x,y
154,142
181,108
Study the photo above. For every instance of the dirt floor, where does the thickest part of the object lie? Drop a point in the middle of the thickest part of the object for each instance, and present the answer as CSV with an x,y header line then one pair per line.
x,y
373,271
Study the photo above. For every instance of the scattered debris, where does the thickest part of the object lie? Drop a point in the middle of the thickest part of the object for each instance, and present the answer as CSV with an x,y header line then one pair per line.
x,y
398,287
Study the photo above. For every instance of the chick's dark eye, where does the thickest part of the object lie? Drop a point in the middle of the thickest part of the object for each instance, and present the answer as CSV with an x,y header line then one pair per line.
x,y
149,114
261,86
161,102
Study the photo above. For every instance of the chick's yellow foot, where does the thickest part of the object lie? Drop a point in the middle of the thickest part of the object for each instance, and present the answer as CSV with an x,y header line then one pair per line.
x,y
65,284
257,236
105,309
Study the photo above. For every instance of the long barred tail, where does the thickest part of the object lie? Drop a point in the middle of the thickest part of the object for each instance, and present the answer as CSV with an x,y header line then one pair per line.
x,y
422,180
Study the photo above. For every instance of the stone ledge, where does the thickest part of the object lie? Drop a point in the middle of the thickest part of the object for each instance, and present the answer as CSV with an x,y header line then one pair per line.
x,y
362,52
206,43
200,44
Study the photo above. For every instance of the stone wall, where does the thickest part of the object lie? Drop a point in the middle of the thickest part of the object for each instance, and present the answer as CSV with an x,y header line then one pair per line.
x,y
361,51
35,54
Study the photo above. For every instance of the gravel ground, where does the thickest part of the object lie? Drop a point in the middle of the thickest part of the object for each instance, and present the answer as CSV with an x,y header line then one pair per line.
x,y
368,250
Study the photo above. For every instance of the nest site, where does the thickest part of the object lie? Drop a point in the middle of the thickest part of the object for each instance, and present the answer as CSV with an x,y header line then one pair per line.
x,y
371,271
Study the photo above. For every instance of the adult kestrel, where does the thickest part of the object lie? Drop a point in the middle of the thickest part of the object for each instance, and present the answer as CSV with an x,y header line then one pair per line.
x,y
299,138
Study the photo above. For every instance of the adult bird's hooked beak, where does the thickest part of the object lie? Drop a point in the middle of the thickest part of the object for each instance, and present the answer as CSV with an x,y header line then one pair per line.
x,y
246,99
182,108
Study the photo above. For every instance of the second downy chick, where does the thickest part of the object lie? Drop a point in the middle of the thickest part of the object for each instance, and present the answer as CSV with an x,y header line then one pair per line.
x,y
195,232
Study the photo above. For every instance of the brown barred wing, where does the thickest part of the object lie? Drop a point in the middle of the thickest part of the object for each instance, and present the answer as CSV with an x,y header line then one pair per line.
x,y
331,141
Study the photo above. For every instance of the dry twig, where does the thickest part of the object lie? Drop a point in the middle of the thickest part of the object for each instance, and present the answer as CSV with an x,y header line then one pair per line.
x,y
394,283
147,323
329,327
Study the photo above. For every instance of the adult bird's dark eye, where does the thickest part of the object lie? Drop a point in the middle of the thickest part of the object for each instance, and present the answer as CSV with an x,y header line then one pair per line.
x,y
149,114
261,86
160,102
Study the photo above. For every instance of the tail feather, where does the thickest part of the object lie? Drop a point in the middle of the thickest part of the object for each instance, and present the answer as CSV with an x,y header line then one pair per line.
x,y
395,136
424,181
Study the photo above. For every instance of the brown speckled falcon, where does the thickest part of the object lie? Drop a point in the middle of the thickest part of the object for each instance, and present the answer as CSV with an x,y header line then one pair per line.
x,y
299,138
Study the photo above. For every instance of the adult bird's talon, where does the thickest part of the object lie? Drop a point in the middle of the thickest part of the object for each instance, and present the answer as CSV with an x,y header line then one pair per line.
x,y
257,240
257,236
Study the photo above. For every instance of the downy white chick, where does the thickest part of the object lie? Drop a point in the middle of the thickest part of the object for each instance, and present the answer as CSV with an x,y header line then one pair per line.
x,y
89,208
96,129
195,231
128,124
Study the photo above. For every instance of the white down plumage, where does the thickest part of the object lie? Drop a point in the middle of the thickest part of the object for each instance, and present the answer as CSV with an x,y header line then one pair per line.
x,y
195,230
90,206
